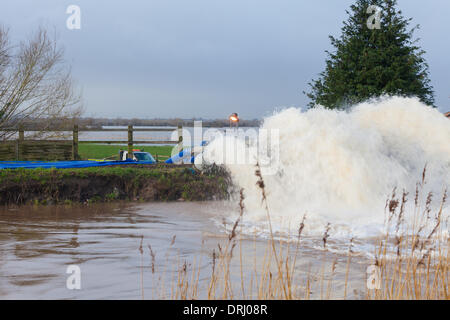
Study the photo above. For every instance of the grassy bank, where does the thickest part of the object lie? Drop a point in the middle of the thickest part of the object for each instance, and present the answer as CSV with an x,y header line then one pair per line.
x,y
102,184
99,151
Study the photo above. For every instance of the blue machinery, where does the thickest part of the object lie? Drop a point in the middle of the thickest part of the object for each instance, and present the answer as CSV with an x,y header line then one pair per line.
x,y
183,155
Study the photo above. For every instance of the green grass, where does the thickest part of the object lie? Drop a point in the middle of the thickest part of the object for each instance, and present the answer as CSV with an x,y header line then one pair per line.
x,y
99,151
129,172
103,184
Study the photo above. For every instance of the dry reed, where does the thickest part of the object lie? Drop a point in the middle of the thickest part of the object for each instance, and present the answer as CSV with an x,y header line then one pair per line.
x,y
411,259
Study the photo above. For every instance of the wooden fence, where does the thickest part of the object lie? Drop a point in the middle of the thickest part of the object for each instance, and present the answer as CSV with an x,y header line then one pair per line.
x,y
22,149
31,150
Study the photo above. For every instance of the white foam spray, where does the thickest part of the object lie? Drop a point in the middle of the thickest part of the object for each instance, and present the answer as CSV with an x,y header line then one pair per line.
x,y
339,167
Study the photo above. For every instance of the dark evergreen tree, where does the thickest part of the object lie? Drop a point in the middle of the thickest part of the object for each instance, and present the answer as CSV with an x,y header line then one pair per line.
x,y
369,62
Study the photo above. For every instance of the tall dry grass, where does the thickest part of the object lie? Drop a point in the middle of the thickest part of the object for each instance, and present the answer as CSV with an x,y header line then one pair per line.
x,y
411,260
413,256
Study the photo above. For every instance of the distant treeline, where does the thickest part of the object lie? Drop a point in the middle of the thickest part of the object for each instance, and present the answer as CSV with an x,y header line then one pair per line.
x,y
36,124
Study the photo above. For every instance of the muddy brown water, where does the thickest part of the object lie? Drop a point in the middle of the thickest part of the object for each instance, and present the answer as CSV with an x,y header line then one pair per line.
x,y
37,244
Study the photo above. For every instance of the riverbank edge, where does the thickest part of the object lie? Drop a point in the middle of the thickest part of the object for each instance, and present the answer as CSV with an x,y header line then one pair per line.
x,y
145,183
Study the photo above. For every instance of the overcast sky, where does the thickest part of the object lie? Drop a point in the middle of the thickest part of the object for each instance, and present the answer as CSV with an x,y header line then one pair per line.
x,y
208,58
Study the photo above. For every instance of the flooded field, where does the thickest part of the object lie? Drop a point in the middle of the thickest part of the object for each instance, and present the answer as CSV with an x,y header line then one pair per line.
x,y
37,244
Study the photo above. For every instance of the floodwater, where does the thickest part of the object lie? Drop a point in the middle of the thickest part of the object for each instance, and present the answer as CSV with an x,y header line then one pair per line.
x,y
38,244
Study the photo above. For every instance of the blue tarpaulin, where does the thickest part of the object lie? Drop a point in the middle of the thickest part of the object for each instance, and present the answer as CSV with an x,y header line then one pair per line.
x,y
66,164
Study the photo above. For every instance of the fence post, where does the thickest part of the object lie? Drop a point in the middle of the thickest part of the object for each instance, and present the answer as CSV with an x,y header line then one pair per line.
x,y
21,134
180,138
19,145
180,133
130,142
75,142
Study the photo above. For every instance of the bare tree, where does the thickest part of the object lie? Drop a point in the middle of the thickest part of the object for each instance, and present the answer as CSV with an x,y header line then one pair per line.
x,y
35,83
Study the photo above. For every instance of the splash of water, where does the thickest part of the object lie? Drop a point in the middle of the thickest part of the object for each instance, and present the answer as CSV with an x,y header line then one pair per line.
x,y
340,166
